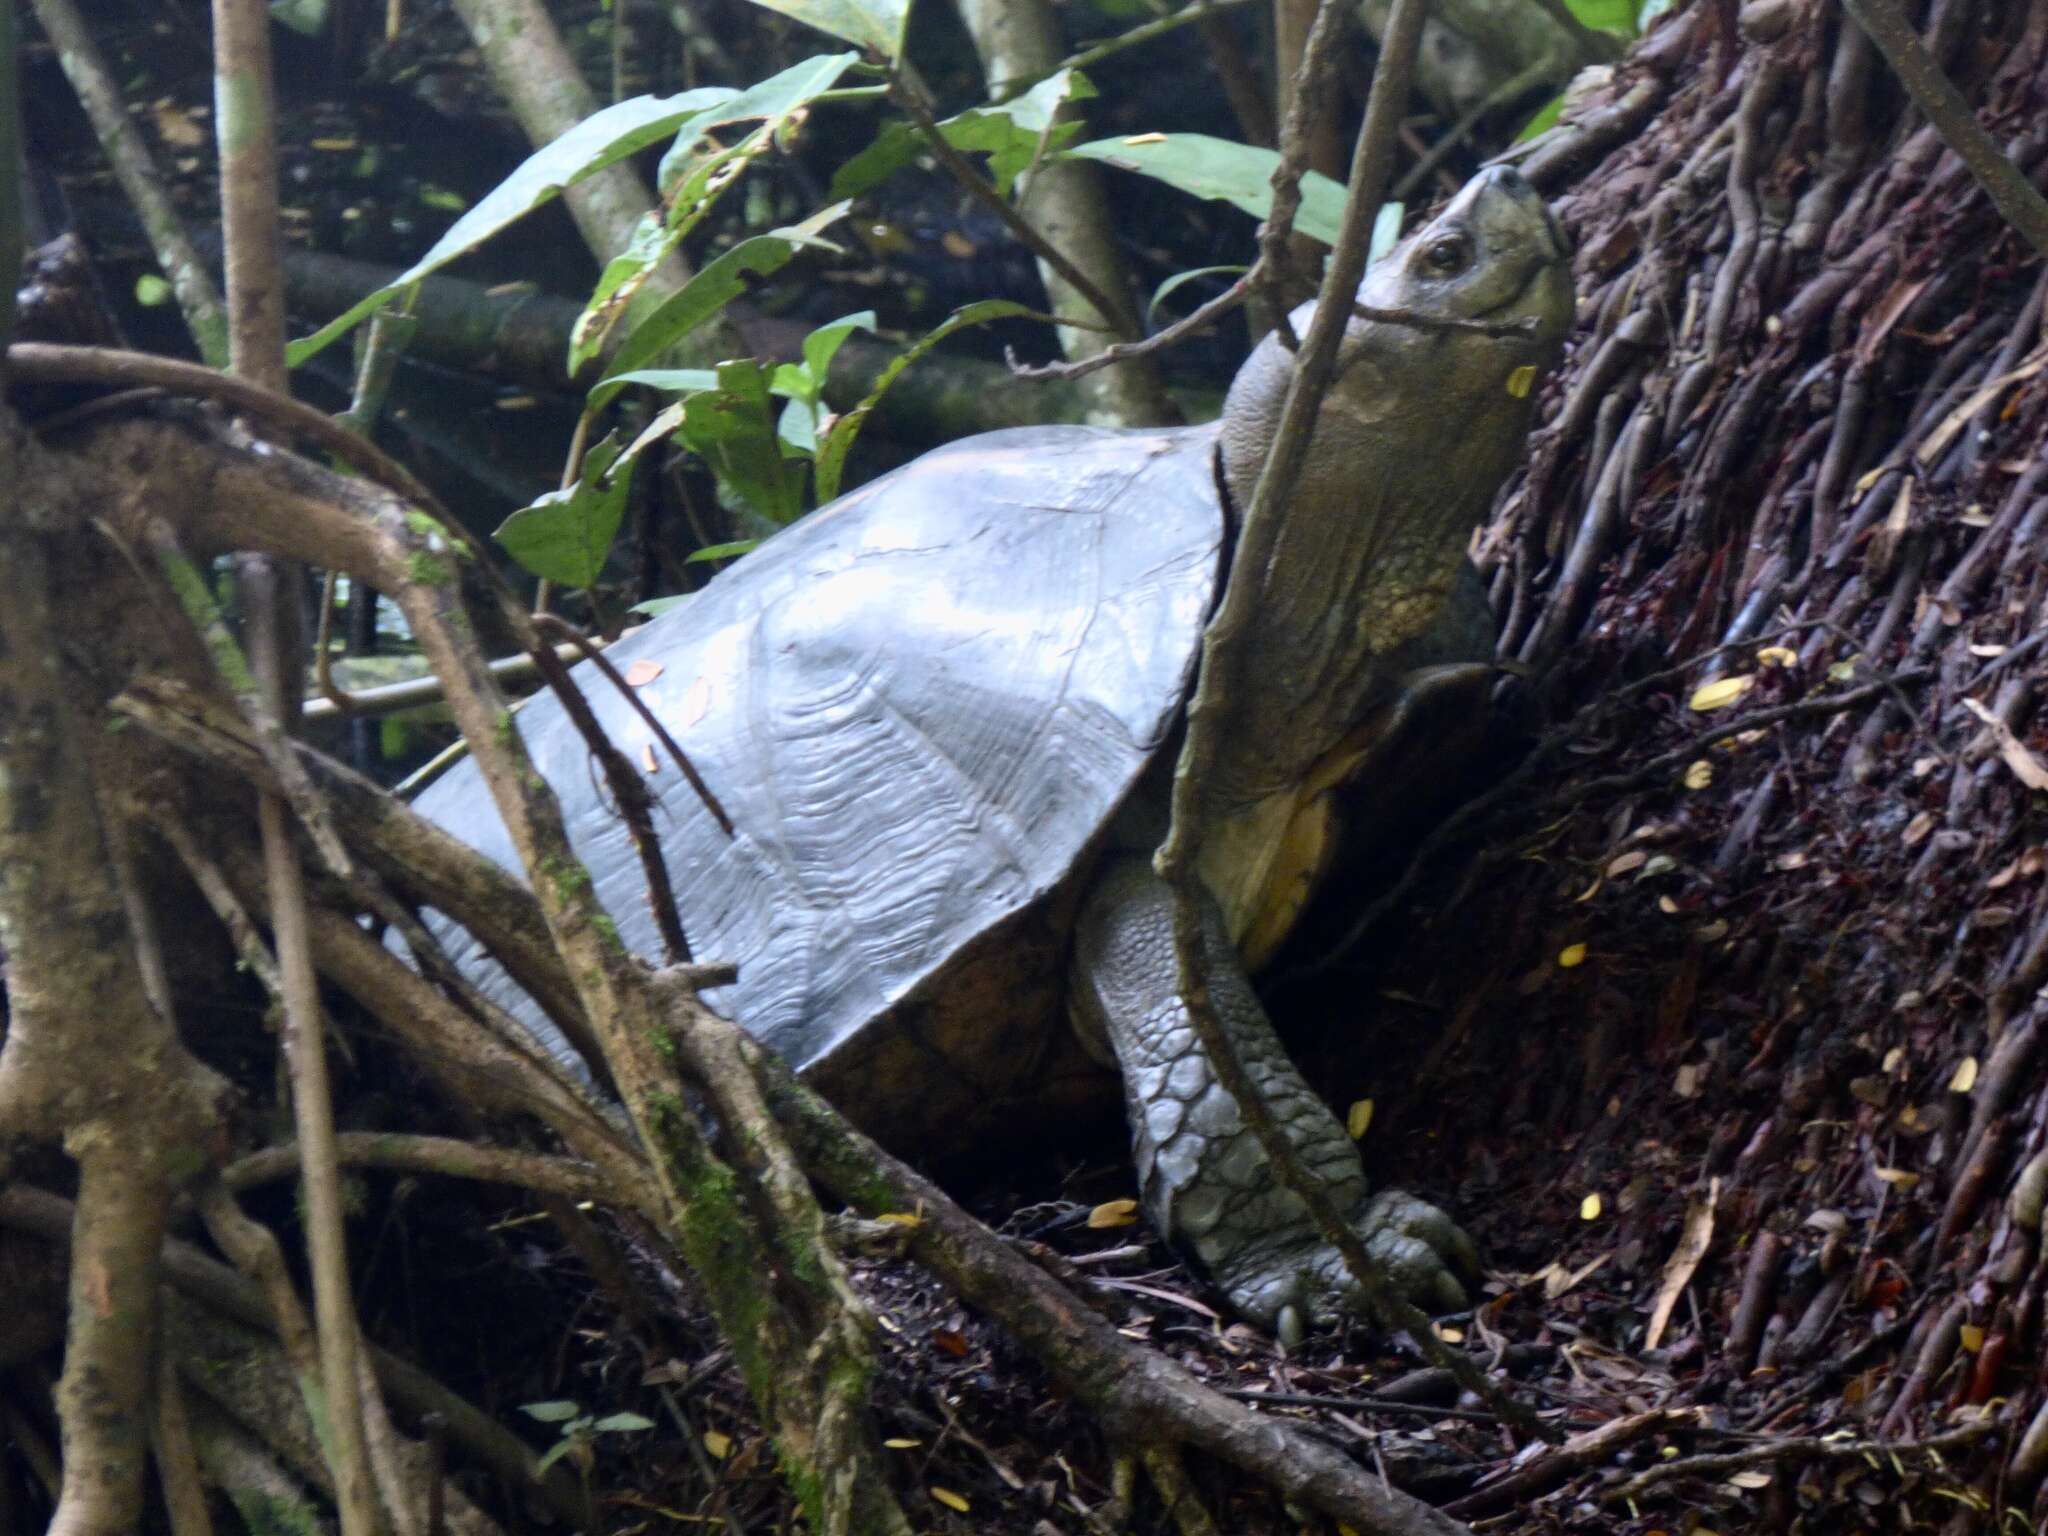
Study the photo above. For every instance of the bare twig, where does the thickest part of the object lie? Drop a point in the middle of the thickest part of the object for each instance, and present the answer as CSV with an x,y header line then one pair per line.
x,y
1178,859
1115,317
145,186
1192,324
431,1154
1775,1450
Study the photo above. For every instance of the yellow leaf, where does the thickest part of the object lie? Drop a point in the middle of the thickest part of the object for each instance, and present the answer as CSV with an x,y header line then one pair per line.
x,y
1112,1213
1521,381
1449,1335
1571,955
949,1498
1589,1208
900,1444
901,1218
1140,138
1776,656
1898,1178
1699,775
1360,1119
1722,692
1972,1337
718,1444
1965,1077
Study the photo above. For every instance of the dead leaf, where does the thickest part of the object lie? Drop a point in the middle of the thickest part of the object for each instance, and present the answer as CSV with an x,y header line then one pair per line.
x,y
697,702
1571,955
1687,1084
900,1444
1917,829
1965,1077
1114,1213
1699,775
1359,1120
643,672
950,1341
1930,449
1972,1337
1898,1178
2026,767
647,757
1693,1242
1749,1478
1589,1208
950,1499
1722,692
718,1443
1635,858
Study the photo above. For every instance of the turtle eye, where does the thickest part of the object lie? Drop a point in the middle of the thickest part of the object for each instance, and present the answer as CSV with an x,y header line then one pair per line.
x,y
1445,254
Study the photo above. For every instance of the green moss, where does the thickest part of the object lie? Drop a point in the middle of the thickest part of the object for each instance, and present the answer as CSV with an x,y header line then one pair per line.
x,y
608,931
427,570
505,728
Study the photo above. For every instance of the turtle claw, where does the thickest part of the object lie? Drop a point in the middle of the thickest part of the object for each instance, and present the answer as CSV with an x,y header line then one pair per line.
x,y
1414,1247
1419,1249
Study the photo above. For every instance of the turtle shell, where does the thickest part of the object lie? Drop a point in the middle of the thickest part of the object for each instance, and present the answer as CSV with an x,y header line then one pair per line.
x,y
921,707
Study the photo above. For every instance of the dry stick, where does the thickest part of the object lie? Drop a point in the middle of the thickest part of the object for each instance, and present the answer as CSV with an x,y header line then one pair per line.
x,y
1936,95
589,649
1178,859
47,363
1592,1448
1774,1450
144,185
1115,317
1095,53
431,1154
1196,321
245,103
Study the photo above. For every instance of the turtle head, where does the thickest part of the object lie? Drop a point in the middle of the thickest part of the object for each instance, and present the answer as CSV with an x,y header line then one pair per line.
x,y
1473,306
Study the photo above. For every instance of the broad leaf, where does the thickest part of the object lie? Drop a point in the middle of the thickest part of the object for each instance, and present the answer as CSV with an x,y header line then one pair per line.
x,y
602,139
1238,174
874,24
566,535
804,382
839,441
722,280
1011,134
731,429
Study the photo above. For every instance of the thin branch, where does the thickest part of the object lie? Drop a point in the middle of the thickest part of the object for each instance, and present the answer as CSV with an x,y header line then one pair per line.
x,y
1775,1451
1115,317
442,1155
1935,95
1109,47
1193,324
1223,647
144,184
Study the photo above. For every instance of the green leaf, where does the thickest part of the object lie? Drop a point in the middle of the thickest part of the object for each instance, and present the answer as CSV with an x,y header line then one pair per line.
x,y
730,428
553,1454
1608,15
1386,231
614,1423
730,551
557,1412
1546,117
823,344
874,24
718,284
655,607
602,139
684,168
152,291
1010,134
1223,171
565,536
675,381
1180,279
839,440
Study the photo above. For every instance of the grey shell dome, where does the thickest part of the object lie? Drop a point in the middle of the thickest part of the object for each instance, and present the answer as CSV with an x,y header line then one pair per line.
x,y
920,706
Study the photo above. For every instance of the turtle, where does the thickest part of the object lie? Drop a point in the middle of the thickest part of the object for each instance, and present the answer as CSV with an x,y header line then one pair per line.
x,y
940,712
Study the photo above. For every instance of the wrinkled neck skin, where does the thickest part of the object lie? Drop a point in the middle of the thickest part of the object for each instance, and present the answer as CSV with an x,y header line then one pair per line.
x,y
1404,462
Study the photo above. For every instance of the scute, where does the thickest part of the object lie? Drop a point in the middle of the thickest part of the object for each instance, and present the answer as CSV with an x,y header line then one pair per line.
x,y
919,706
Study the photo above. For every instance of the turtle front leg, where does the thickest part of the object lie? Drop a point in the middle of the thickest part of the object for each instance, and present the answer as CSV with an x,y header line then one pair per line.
x,y
1204,1178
